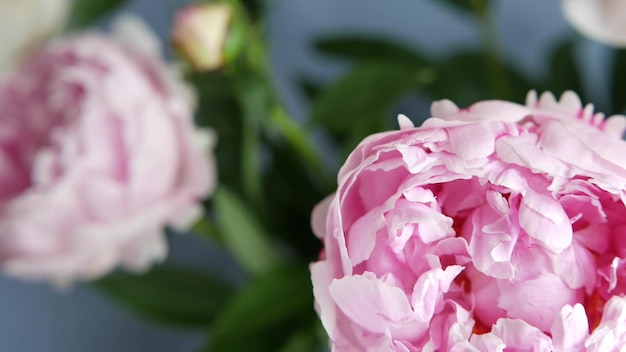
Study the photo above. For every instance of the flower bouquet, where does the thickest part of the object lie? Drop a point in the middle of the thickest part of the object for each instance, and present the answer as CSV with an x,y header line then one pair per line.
x,y
495,221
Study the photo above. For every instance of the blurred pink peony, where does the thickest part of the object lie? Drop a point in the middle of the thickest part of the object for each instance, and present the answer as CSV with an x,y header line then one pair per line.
x,y
98,154
601,20
496,227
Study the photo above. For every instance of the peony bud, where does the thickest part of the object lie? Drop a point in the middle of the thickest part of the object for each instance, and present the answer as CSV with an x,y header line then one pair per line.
x,y
200,34
601,20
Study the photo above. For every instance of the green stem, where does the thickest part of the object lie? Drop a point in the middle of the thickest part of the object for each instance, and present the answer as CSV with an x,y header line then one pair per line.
x,y
260,101
300,141
250,163
253,100
498,77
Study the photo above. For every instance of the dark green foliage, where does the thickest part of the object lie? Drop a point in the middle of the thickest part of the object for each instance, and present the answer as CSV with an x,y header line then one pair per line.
x,y
618,83
360,103
266,312
172,295
219,110
369,49
86,12
564,74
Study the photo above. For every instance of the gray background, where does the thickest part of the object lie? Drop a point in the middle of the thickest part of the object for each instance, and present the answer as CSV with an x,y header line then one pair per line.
x,y
34,317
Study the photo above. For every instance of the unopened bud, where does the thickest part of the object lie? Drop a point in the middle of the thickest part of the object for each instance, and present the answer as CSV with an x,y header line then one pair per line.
x,y
200,34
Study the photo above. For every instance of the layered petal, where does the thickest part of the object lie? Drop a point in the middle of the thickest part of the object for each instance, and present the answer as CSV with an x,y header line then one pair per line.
x,y
497,227
87,123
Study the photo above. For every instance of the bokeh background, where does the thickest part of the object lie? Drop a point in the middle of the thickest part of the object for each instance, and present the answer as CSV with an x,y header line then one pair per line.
x,y
34,317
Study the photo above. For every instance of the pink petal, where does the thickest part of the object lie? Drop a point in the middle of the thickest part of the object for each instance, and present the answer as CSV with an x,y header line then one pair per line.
x,y
375,305
537,300
570,328
473,140
544,219
429,288
319,215
610,335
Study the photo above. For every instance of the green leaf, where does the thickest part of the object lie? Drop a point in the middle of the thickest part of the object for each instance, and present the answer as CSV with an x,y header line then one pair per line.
x,y
462,78
467,5
301,341
205,228
219,110
254,96
243,234
272,300
172,295
86,12
299,140
289,221
618,85
270,341
368,90
282,339
254,8
360,103
369,49
564,73
309,87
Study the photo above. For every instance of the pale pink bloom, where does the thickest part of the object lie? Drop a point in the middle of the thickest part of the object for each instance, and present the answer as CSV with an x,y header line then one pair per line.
x,y
601,20
98,153
496,227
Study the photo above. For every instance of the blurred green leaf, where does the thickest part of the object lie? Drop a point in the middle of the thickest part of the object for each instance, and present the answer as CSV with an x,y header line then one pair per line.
x,y
172,295
273,299
243,234
299,139
564,73
466,5
254,8
205,228
291,192
360,102
618,84
309,88
462,78
283,338
86,12
301,341
254,96
367,91
369,49
219,110
270,341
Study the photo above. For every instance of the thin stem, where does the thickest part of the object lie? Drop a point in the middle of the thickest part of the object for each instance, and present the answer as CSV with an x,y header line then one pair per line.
x,y
498,76
253,102
300,141
258,96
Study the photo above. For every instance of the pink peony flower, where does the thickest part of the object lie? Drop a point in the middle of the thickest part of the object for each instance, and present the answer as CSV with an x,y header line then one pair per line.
x,y
496,227
98,153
